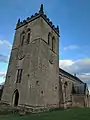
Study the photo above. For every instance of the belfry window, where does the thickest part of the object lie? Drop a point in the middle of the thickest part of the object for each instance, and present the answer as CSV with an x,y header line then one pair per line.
x,y
28,38
28,35
22,38
50,40
53,43
22,41
19,75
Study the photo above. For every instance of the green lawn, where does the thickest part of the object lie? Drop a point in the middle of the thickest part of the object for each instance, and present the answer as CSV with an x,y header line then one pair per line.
x,y
70,114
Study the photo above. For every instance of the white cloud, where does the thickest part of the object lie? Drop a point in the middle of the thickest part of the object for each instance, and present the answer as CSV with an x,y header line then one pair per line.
x,y
5,42
2,74
77,66
2,77
5,48
80,67
71,47
3,58
66,62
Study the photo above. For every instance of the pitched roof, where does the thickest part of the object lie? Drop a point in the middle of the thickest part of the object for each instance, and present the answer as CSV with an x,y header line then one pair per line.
x,y
61,71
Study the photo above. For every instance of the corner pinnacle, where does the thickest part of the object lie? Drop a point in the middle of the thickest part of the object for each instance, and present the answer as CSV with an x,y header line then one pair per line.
x,y
18,20
58,28
41,9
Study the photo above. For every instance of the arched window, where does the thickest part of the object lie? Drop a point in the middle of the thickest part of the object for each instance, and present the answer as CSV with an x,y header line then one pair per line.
x,y
28,35
28,29
50,40
22,38
65,88
22,41
28,38
53,43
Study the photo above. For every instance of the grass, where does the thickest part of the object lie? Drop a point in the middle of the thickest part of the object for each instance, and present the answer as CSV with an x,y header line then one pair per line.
x,y
69,114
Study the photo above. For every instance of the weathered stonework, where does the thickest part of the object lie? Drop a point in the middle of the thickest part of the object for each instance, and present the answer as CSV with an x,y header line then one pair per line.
x,y
34,58
43,85
71,99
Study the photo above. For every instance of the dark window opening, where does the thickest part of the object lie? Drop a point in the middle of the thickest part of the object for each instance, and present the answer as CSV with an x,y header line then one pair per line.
x,y
55,88
28,75
28,38
66,83
28,29
65,91
42,92
37,82
48,38
19,76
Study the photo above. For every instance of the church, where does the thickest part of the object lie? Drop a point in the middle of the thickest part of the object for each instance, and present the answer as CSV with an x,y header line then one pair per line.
x,y
34,80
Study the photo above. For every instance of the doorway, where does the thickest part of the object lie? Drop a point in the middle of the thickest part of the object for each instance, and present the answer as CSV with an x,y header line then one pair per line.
x,y
16,98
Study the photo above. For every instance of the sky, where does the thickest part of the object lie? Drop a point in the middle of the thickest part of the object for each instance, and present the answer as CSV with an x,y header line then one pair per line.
x,y
73,18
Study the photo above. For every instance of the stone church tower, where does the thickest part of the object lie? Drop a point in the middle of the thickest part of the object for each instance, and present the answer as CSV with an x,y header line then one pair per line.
x,y
32,78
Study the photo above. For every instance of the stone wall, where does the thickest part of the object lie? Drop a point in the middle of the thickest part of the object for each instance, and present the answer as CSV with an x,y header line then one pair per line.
x,y
68,98
66,90
78,100
39,85
89,100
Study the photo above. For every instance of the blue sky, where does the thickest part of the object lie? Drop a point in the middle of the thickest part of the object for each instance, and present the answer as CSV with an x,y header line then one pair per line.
x,y
73,18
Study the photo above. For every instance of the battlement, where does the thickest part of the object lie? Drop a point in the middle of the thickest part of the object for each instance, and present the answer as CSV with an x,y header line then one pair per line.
x,y
35,16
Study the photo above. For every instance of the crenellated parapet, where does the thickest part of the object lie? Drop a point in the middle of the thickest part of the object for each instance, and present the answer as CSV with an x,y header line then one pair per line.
x,y
37,15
